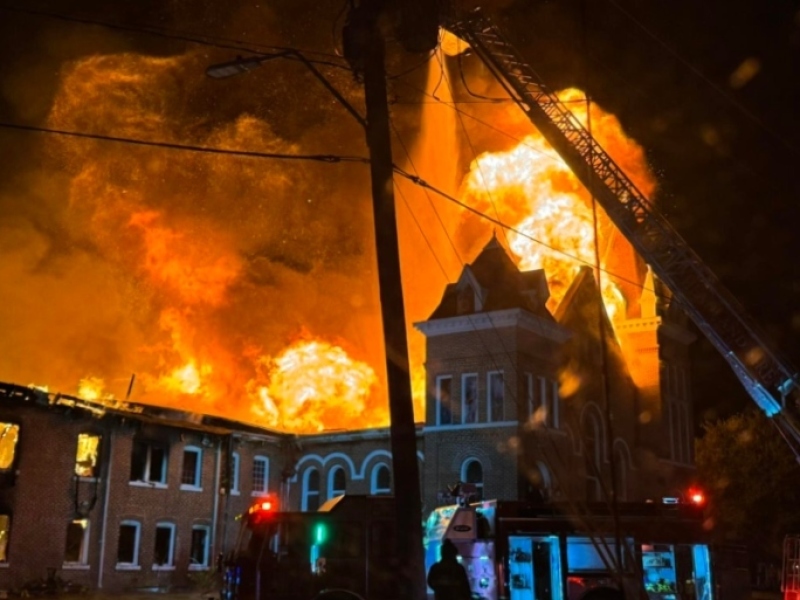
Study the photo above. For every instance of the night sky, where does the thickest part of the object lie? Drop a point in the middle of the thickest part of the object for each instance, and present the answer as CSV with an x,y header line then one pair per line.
x,y
710,89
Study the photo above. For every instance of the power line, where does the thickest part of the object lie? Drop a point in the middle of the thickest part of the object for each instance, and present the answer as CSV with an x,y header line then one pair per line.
x,y
326,158
201,39
505,226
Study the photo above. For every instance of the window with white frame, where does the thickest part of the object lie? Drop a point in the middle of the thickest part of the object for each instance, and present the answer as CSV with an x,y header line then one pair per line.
x,y
128,544
381,480
149,462
164,551
76,549
472,472
260,475
337,482
495,393
310,501
469,398
191,472
234,481
200,548
444,400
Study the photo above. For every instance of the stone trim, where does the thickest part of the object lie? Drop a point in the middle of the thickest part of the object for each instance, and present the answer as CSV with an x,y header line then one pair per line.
x,y
513,317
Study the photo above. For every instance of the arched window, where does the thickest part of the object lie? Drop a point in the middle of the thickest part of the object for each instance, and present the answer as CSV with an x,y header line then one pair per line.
x,y
260,476
381,481
540,484
620,473
234,482
337,482
472,472
310,500
591,455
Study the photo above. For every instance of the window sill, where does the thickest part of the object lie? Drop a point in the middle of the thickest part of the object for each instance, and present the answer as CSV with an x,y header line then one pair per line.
x,y
87,479
75,567
235,493
127,567
259,493
185,487
198,567
148,484
163,567
4,565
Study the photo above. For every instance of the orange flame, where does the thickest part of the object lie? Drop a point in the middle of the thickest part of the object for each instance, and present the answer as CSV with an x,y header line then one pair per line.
x,y
311,386
532,189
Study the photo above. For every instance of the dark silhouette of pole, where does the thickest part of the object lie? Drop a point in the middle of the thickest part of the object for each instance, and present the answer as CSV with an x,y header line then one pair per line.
x,y
408,507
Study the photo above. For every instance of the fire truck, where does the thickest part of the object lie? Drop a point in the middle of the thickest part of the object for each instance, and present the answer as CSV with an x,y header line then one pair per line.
x,y
510,550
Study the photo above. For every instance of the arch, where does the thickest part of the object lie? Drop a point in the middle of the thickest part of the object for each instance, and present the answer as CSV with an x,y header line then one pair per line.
x,y
337,482
472,472
369,457
592,442
539,482
381,479
622,465
310,494
321,462
592,418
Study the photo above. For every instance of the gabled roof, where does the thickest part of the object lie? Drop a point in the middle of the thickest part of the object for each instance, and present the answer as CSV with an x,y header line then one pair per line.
x,y
497,284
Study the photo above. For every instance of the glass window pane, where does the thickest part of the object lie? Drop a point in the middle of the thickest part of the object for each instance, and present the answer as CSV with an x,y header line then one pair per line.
x,y
126,548
86,455
9,434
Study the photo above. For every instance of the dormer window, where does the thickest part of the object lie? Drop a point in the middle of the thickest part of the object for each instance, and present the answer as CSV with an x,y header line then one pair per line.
x,y
465,301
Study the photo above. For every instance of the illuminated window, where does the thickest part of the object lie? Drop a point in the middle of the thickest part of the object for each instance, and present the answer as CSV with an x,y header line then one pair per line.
x,y
444,406
200,549
5,526
381,481
472,472
149,462
191,473
87,454
337,482
76,551
310,490
235,473
128,544
469,398
260,475
9,434
164,553
495,391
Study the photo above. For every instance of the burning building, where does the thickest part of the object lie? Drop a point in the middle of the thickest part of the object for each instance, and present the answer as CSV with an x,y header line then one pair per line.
x,y
123,496
532,380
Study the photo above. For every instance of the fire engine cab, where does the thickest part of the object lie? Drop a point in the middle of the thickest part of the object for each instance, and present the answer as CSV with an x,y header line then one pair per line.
x,y
510,550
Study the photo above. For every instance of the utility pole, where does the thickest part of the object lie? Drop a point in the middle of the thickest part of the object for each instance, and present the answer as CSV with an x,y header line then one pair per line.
x,y
365,49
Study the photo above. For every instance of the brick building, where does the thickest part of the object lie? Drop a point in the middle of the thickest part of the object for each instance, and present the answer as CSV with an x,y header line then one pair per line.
x,y
134,497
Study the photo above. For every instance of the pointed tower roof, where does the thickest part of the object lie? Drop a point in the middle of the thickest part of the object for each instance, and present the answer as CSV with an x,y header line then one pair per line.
x,y
497,284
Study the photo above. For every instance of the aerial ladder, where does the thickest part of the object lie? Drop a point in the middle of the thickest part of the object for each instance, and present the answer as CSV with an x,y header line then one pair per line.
x,y
769,378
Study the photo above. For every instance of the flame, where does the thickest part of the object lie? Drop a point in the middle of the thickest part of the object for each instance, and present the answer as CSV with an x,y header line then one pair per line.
x,y
313,385
195,272
92,388
532,189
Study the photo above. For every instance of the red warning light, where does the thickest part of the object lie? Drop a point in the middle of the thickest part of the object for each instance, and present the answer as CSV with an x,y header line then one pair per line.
x,y
262,510
697,497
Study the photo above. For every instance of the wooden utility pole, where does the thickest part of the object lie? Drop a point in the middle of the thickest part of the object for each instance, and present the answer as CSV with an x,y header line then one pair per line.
x,y
364,40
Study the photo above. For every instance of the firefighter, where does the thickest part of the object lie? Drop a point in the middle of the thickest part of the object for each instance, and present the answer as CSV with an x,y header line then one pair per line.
x,y
447,578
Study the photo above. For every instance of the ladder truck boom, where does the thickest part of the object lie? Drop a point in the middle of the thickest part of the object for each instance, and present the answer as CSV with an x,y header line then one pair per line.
x,y
770,379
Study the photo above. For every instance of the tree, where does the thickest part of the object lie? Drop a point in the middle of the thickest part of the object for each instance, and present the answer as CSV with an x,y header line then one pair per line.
x,y
751,478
